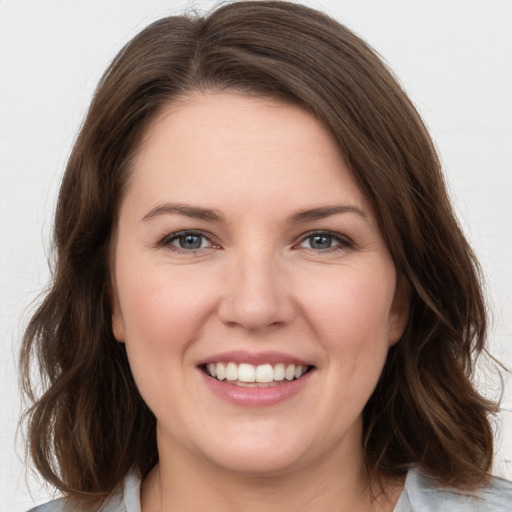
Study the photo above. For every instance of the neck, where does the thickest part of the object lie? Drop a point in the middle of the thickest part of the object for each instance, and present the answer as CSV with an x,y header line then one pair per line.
x,y
182,483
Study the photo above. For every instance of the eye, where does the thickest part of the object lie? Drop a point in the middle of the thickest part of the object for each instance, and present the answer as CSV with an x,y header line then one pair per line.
x,y
324,241
187,241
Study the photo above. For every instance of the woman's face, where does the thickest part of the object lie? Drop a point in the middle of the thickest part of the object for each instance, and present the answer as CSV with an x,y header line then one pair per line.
x,y
246,250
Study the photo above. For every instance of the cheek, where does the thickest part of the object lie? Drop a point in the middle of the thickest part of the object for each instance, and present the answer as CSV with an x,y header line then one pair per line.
x,y
163,314
351,304
165,311
350,315
161,306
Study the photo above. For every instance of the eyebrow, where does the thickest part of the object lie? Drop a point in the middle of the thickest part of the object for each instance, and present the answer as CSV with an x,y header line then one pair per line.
x,y
326,211
186,210
207,214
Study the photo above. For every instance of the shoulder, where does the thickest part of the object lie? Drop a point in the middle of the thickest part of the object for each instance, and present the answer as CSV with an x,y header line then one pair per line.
x,y
52,506
422,494
125,498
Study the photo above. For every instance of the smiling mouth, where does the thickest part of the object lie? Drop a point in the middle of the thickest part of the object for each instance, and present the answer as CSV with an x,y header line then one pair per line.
x,y
248,375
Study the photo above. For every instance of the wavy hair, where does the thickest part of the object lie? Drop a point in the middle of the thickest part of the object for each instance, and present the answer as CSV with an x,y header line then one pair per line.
x,y
89,426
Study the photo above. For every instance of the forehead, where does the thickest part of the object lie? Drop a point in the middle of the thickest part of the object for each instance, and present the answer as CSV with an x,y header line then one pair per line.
x,y
215,146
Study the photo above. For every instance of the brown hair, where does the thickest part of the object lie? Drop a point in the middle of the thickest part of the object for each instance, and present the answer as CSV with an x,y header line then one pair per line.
x,y
90,425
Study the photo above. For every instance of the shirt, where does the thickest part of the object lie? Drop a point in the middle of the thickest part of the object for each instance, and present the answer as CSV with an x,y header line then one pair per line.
x,y
420,494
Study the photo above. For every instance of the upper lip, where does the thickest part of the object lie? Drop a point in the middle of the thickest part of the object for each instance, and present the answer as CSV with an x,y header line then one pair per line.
x,y
254,358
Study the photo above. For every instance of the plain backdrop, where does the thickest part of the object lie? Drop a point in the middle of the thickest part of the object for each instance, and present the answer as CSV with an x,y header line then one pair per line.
x,y
454,58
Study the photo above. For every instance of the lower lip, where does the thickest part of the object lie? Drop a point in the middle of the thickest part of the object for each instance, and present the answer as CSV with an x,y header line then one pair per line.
x,y
256,397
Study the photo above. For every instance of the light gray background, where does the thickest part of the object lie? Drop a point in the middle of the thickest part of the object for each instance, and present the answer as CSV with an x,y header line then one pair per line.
x,y
454,57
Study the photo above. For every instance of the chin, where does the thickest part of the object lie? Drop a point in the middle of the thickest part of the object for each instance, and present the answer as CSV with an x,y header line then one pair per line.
x,y
257,451
256,463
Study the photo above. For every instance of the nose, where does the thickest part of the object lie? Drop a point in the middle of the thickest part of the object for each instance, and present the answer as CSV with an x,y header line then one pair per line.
x,y
257,293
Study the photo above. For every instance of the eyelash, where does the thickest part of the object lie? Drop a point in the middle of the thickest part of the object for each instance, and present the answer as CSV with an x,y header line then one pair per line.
x,y
342,242
167,241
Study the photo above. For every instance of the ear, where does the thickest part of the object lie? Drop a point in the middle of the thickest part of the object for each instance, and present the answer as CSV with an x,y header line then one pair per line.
x,y
399,313
117,316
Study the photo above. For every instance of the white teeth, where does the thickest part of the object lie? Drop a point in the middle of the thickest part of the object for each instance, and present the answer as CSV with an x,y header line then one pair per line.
x,y
221,371
262,375
279,371
289,373
232,371
246,373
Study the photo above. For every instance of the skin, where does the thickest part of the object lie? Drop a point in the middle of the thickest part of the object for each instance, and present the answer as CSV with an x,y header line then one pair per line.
x,y
258,283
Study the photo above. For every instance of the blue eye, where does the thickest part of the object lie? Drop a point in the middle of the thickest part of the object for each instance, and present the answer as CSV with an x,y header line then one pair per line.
x,y
324,242
320,241
186,241
190,241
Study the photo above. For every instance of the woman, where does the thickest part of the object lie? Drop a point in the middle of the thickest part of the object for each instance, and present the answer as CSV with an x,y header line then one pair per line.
x,y
262,298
